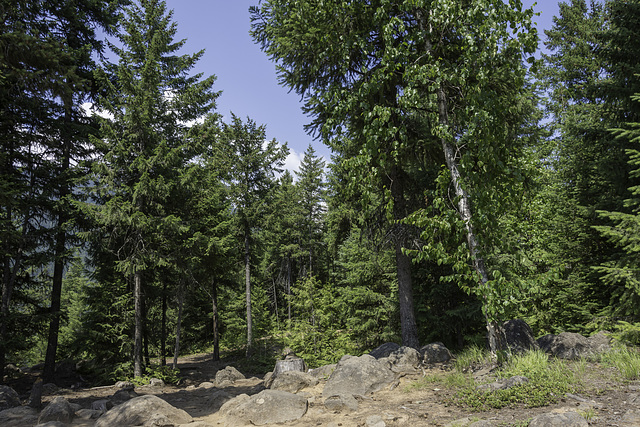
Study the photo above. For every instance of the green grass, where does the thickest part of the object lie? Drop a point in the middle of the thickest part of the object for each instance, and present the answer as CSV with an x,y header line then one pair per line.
x,y
470,357
549,380
626,360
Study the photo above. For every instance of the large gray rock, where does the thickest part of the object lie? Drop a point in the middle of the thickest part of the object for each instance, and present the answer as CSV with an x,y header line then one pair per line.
x,y
8,398
568,419
139,410
228,376
569,345
358,376
404,359
384,350
341,403
18,417
322,372
293,381
217,399
59,409
435,353
519,336
266,407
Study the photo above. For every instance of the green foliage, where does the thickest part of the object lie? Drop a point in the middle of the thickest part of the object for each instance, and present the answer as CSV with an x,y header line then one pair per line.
x,y
627,333
548,382
165,373
472,357
626,360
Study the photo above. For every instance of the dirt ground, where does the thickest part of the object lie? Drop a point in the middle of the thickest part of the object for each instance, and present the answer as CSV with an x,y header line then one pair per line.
x,y
604,400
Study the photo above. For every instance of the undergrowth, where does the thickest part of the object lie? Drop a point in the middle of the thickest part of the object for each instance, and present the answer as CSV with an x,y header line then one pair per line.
x,y
548,381
626,360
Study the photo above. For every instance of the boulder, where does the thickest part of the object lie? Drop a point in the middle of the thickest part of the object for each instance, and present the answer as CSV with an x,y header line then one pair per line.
x,y
18,417
384,350
569,345
358,376
217,399
293,381
322,372
52,424
127,385
141,409
156,382
266,407
123,395
631,418
59,409
519,336
88,414
404,359
568,419
228,376
435,353
341,403
8,398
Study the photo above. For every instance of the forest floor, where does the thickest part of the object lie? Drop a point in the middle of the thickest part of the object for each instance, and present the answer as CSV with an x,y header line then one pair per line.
x,y
602,398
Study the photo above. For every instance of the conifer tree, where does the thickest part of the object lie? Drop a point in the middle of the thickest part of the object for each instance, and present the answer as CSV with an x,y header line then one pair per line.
x,y
254,164
311,188
151,98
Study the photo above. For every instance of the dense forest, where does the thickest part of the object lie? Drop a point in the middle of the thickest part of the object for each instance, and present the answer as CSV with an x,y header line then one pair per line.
x,y
472,181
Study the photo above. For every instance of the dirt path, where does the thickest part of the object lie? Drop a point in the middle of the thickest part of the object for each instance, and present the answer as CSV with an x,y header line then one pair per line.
x,y
605,400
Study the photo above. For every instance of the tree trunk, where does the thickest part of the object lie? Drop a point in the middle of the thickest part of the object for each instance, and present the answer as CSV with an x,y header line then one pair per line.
x,y
408,326
59,261
494,330
247,281
137,334
163,327
178,327
216,336
289,291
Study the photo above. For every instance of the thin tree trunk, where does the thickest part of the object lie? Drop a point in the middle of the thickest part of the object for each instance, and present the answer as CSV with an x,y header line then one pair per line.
x,y
247,279
59,261
289,291
216,336
145,334
137,335
494,330
178,327
163,326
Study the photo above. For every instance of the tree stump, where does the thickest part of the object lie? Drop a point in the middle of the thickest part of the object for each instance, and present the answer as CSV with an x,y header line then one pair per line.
x,y
291,362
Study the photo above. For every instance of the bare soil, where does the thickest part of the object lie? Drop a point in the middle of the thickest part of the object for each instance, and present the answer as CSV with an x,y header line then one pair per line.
x,y
603,398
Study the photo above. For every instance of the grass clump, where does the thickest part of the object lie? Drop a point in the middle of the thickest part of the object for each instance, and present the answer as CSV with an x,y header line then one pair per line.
x,y
548,382
471,357
626,360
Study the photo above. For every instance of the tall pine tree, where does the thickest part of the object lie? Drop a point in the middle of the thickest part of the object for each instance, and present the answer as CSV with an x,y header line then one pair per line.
x,y
150,97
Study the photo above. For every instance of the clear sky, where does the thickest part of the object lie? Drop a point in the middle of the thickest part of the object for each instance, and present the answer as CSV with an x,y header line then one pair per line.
x,y
247,77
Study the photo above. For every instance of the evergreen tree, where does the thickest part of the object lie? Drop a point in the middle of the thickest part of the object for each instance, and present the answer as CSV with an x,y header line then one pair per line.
x,y
311,187
254,164
623,272
138,178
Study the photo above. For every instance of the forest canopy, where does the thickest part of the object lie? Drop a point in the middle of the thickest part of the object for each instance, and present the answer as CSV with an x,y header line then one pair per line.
x,y
472,180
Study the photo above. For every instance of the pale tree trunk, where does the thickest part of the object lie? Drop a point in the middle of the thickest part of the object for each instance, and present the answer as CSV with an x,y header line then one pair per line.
x,y
178,326
494,330
137,337
247,281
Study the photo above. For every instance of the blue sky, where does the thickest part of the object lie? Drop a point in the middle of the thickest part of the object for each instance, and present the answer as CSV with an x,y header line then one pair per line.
x,y
247,77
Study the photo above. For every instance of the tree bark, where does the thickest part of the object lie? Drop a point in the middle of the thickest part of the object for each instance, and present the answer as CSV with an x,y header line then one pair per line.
x,y
247,281
495,333
408,326
216,336
176,351
137,334
59,261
